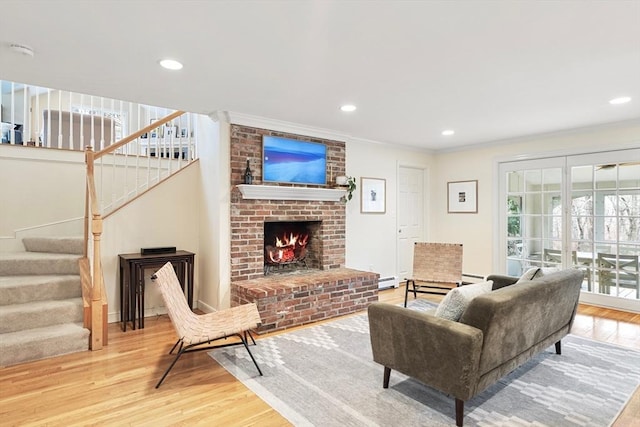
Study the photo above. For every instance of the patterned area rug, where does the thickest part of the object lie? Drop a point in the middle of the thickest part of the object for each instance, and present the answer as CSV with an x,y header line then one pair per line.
x,y
325,376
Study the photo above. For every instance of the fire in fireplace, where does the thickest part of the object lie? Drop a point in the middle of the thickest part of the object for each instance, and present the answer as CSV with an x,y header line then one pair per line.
x,y
291,248
288,245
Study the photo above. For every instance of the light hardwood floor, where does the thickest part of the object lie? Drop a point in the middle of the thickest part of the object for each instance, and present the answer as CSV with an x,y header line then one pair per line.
x,y
115,386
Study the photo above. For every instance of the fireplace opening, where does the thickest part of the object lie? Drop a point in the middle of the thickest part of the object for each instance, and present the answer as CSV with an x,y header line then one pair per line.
x,y
291,246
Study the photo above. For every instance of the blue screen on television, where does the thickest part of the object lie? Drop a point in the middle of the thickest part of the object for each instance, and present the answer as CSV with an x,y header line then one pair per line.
x,y
290,160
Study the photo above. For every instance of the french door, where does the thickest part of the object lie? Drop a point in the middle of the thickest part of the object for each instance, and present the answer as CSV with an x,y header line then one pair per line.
x,y
579,211
533,216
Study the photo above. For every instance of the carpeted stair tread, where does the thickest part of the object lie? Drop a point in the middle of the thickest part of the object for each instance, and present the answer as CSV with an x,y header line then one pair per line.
x,y
64,245
41,310
41,343
35,263
39,314
23,289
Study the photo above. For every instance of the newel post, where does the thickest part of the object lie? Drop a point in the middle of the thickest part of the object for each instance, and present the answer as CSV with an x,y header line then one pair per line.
x,y
96,294
96,230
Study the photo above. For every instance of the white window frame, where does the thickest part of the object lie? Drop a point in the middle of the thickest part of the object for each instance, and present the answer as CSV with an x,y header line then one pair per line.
x,y
567,161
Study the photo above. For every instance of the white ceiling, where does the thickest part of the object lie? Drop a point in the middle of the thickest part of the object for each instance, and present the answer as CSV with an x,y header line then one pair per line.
x,y
491,70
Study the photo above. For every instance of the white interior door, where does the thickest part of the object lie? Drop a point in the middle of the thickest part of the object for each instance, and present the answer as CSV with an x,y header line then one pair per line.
x,y
410,216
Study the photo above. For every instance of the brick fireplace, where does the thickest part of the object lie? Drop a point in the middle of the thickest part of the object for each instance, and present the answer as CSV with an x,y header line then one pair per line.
x,y
324,288
248,216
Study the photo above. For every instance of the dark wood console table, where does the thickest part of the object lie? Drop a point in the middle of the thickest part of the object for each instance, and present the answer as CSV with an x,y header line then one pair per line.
x,y
132,268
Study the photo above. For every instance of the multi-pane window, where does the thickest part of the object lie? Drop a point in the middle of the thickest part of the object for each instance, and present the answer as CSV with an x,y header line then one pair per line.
x,y
534,218
576,211
605,226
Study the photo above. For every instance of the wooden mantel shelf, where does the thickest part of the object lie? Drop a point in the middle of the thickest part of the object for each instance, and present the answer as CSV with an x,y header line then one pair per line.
x,y
276,192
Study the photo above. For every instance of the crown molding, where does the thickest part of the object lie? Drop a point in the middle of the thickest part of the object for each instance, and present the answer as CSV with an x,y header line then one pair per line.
x,y
219,116
284,126
544,135
298,129
393,145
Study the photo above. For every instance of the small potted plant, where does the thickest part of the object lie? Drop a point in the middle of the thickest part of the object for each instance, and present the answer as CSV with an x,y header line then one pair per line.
x,y
351,187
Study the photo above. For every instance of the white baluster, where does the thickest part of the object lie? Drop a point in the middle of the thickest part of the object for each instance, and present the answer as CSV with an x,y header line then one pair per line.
x,y
12,120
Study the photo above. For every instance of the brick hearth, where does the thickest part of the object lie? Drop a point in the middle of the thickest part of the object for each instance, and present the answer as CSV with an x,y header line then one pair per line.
x,y
296,299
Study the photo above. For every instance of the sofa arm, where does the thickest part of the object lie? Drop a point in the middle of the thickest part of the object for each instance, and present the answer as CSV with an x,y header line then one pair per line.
x,y
435,351
500,281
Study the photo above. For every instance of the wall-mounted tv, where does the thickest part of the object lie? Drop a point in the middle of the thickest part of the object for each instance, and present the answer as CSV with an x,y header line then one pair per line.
x,y
293,161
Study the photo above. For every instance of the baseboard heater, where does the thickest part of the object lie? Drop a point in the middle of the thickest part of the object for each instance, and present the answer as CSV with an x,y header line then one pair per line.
x,y
468,278
388,282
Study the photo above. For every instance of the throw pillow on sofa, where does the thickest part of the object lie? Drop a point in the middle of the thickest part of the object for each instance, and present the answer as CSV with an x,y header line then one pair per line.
x,y
536,273
457,299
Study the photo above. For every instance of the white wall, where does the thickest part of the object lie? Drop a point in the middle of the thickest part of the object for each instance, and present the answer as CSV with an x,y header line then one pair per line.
x,y
372,238
214,257
476,231
189,211
58,179
168,215
12,112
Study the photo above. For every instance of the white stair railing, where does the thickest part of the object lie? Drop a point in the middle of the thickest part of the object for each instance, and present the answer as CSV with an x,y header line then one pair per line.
x,y
50,118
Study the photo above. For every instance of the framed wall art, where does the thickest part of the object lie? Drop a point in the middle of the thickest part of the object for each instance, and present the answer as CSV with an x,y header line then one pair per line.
x,y
462,197
373,195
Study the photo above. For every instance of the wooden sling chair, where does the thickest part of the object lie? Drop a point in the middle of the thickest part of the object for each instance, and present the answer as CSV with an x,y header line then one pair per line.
x,y
437,268
194,330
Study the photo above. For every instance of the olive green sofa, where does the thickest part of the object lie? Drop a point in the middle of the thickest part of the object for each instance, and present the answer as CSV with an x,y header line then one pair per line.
x,y
497,332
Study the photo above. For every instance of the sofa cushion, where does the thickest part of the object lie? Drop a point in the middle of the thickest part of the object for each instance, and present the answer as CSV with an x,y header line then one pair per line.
x,y
457,299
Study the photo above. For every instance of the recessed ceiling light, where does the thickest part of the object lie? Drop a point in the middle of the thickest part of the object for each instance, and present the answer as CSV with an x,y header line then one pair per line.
x,y
620,100
448,132
348,108
171,64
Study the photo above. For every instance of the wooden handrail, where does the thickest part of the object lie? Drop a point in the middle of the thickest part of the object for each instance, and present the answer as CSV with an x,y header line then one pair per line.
x,y
138,134
93,220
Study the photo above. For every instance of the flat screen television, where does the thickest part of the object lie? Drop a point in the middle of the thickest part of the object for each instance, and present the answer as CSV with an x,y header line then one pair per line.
x,y
292,161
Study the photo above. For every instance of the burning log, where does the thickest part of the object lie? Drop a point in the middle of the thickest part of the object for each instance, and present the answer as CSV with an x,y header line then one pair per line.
x,y
291,248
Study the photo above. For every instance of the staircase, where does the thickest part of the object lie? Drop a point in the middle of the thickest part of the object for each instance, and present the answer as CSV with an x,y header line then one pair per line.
x,y
41,308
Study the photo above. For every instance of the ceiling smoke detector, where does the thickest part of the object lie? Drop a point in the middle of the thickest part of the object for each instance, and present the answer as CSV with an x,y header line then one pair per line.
x,y
21,49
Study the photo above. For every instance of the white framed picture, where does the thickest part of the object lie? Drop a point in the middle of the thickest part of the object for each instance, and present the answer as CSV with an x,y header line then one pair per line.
x,y
373,195
462,197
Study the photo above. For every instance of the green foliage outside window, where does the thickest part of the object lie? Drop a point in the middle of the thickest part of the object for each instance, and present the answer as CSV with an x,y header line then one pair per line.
x,y
513,218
